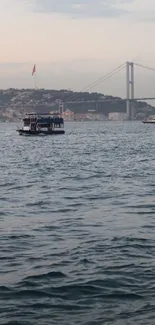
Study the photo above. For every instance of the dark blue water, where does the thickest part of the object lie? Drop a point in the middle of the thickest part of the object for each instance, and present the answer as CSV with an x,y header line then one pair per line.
x,y
77,225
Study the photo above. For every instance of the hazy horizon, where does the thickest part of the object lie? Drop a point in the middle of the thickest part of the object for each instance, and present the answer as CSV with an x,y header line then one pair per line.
x,y
76,42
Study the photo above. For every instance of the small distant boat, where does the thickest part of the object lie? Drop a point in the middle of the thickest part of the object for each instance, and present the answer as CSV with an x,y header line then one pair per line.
x,y
150,119
42,124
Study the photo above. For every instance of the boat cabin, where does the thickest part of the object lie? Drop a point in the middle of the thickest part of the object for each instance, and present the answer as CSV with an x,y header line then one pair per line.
x,y
35,122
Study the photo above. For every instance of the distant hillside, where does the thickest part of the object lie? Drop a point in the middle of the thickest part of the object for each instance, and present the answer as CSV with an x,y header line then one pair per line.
x,y
15,102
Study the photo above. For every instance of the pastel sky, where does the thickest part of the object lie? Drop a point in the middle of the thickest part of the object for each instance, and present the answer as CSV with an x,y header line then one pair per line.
x,y
74,42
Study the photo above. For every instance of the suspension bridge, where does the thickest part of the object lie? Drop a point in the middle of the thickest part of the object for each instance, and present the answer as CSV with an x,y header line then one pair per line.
x,y
130,89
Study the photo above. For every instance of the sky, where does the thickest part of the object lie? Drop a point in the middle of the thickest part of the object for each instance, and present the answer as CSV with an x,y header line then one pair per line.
x,y
74,42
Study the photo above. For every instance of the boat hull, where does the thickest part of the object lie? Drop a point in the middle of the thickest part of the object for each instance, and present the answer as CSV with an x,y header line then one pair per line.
x,y
49,132
148,122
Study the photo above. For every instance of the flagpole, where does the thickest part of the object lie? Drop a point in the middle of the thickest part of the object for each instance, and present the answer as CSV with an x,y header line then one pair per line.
x,y
35,79
34,74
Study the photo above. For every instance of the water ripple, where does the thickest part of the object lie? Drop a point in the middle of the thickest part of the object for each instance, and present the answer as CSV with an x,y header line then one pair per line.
x,y
77,226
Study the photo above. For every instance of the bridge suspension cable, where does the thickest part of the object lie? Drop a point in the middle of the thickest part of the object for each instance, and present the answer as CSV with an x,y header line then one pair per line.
x,y
98,81
144,66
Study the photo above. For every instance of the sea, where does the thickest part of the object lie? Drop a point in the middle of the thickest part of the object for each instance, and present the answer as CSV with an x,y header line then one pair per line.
x,y
77,225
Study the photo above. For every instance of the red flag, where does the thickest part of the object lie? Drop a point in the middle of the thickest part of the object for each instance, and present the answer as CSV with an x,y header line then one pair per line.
x,y
34,69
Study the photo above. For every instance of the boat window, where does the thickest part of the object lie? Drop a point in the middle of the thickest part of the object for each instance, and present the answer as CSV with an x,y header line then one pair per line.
x,y
26,122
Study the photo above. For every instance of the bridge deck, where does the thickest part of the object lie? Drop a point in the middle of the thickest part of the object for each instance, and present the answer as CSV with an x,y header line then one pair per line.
x,y
108,100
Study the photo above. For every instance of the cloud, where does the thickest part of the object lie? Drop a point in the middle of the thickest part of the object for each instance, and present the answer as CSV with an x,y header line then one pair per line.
x,y
135,9
82,8
139,10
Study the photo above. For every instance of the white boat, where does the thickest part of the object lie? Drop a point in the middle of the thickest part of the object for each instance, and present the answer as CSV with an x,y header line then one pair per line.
x,y
47,124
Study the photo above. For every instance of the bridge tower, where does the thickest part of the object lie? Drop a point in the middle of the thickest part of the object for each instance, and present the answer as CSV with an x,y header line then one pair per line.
x,y
130,90
61,107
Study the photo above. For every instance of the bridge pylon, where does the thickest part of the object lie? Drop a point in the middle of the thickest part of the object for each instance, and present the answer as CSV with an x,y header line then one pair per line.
x,y
61,107
130,90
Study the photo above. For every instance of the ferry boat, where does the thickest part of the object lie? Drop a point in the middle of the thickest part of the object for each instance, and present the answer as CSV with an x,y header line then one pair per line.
x,y
42,124
149,120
